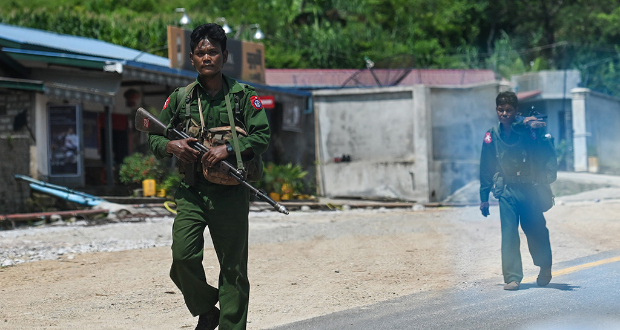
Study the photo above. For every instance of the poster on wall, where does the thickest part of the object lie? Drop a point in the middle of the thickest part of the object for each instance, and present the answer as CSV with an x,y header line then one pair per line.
x,y
64,141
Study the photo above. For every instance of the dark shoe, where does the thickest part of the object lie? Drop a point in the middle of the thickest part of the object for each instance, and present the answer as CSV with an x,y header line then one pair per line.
x,y
512,286
544,277
209,320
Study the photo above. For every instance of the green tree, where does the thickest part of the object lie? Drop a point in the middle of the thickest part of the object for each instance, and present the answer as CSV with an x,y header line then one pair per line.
x,y
505,35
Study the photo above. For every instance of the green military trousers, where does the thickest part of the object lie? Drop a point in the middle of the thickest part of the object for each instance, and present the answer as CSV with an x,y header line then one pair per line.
x,y
517,203
224,209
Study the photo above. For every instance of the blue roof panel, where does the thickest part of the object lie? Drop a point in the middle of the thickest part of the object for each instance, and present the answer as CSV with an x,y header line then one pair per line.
x,y
78,45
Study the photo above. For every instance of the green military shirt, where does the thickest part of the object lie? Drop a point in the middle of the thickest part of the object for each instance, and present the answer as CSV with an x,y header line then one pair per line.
x,y
528,154
215,114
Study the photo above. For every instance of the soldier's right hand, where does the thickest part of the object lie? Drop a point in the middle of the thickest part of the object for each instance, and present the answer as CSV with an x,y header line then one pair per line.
x,y
484,208
182,150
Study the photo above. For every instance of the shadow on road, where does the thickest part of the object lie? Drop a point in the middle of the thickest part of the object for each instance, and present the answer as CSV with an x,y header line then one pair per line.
x,y
557,286
563,286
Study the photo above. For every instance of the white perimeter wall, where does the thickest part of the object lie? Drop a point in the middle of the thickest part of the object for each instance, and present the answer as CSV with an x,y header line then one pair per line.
x,y
460,118
414,143
596,123
377,127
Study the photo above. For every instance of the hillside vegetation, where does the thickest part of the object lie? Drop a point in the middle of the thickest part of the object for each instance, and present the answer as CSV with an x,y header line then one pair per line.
x,y
509,37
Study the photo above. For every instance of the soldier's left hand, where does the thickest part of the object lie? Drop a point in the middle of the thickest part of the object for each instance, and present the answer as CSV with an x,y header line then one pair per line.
x,y
484,208
214,155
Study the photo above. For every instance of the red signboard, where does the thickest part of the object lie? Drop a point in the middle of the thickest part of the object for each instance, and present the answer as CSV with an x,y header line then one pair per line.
x,y
268,101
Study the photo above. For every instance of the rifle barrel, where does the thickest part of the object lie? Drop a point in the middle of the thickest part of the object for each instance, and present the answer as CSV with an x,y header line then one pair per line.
x,y
146,122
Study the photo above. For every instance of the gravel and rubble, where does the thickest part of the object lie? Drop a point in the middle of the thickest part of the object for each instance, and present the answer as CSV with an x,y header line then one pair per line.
x,y
63,240
151,227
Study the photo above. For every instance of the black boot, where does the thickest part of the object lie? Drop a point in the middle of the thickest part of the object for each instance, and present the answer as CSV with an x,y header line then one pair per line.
x,y
544,277
209,320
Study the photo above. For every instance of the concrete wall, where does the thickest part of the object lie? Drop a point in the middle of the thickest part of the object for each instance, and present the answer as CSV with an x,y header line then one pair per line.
x,y
13,103
552,84
414,143
15,146
377,128
596,118
13,192
460,118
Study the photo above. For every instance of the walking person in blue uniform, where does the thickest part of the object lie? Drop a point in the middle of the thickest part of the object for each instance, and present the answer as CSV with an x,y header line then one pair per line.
x,y
517,164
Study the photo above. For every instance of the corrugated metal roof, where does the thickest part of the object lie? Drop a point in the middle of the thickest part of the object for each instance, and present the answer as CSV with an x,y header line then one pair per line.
x,y
29,38
447,77
92,61
60,58
145,71
24,84
308,77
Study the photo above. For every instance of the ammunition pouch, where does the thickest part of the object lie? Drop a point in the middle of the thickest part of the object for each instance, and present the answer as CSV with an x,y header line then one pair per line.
x,y
218,136
545,197
543,194
253,168
498,185
518,179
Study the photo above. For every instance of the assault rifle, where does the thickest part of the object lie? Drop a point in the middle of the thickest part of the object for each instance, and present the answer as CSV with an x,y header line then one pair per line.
x,y
146,122
539,122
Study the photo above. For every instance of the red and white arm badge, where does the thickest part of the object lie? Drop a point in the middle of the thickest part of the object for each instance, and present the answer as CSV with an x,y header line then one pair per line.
x,y
166,104
256,102
487,138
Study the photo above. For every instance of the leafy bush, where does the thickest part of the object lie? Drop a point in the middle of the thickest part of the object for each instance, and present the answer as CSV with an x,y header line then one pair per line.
x,y
170,182
138,167
276,177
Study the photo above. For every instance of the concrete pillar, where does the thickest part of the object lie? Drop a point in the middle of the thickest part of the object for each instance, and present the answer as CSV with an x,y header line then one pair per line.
x,y
422,129
506,86
580,135
41,136
34,173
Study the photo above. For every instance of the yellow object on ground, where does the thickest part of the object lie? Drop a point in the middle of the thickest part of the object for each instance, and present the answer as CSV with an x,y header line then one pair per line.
x,y
275,196
148,187
286,197
161,193
287,189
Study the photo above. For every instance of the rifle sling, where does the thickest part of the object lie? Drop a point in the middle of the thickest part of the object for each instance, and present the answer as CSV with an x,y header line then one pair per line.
x,y
233,129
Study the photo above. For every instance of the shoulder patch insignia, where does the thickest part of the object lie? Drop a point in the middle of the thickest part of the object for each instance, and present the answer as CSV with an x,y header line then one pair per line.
x,y
533,135
166,104
487,138
256,102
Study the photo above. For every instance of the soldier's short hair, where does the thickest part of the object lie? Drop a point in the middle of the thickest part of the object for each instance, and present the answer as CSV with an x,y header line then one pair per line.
x,y
211,31
507,98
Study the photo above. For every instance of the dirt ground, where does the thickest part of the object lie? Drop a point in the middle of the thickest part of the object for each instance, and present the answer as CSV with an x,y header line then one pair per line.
x,y
303,266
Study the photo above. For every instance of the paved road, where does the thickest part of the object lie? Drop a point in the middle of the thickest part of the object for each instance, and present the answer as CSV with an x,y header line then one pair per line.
x,y
584,295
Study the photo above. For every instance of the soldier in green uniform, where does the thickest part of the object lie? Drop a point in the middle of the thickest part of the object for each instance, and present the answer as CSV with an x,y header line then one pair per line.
x,y
517,161
200,204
